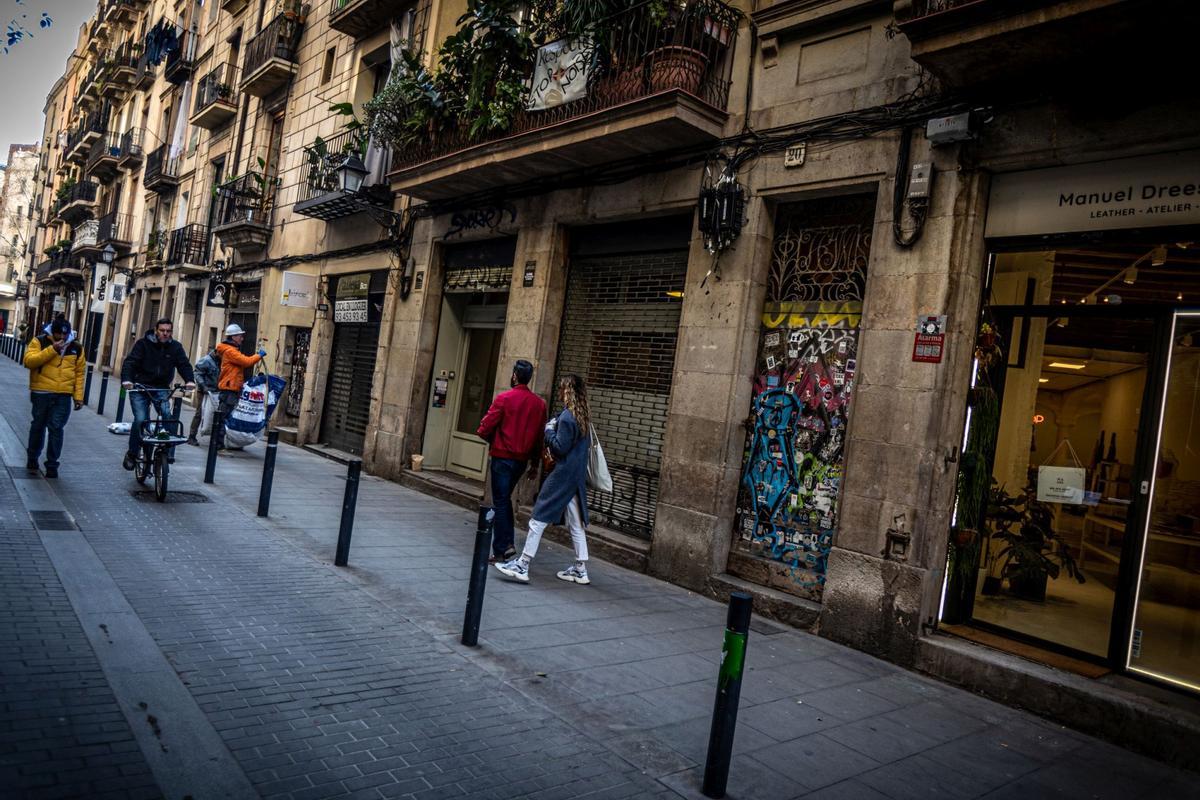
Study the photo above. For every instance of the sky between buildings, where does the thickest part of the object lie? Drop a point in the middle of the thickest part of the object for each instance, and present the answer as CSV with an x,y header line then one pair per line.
x,y
34,62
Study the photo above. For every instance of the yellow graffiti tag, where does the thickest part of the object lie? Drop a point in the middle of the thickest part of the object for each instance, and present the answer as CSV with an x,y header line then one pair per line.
x,y
812,315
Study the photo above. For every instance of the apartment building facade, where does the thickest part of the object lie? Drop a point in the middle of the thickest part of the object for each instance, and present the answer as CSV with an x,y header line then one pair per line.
x,y
17,191
828,267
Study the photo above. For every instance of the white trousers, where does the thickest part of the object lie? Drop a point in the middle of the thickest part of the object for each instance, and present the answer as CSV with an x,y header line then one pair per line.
x,y
574,525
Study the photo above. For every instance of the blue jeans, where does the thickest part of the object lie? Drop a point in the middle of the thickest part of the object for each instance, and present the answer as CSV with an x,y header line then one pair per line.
x,y
505,474
50,411
139,402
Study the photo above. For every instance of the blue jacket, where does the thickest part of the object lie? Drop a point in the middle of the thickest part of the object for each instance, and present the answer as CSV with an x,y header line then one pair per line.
x,y
569,446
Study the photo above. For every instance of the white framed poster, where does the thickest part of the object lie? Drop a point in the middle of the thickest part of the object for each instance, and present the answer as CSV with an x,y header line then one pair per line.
x,y
299,290
1061,485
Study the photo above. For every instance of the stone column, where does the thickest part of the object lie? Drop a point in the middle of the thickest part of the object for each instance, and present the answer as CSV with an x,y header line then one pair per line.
x,y
710,398
906,424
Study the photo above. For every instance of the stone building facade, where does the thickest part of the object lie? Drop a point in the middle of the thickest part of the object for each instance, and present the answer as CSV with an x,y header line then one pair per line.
x,y
789,251
17,191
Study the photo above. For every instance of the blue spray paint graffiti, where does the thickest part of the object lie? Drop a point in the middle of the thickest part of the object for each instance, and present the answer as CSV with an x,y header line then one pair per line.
x,y
792,473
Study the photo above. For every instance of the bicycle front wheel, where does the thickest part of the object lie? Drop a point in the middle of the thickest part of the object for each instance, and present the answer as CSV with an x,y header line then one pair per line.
x,y
161,470
141,468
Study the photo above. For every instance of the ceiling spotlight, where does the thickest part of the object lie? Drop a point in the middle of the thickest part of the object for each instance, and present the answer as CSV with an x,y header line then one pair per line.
x,y
1130,276
1158,256
1179,295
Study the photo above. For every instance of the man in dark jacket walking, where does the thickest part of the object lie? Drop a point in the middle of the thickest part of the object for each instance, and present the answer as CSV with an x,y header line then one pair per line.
x,y
513,429
152,362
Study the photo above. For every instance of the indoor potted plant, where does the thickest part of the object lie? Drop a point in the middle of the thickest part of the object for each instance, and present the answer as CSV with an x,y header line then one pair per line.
x,y
1030,553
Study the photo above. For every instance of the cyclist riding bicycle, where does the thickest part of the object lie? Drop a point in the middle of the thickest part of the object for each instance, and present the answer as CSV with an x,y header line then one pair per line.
x,y
152,363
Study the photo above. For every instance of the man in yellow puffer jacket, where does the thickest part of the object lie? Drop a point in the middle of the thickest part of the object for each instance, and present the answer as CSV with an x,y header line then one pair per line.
x,y
55,363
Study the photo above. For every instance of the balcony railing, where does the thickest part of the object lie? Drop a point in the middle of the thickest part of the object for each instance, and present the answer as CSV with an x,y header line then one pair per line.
x,y
62,260
271,54
102,162
132,151
182,59
114,228
162,169
216,98
323,157
155,249
86,236
188,245
143,76
82,192
247,199
121,68
690,52
88,131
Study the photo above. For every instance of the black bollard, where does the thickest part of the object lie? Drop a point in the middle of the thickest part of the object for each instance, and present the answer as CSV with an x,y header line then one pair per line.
x,y
479,565
121,404
87,385
210,467
268,476
348,502
729,690
103,392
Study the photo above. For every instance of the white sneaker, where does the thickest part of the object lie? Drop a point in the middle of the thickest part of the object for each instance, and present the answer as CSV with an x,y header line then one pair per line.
x,y
515,570
575,574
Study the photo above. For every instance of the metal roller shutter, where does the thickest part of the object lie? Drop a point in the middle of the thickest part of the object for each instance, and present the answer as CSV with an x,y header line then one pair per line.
x,y
348,394
620,327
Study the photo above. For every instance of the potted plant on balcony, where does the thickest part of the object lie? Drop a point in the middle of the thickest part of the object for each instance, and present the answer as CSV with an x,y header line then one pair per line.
x,y
224,91
694,37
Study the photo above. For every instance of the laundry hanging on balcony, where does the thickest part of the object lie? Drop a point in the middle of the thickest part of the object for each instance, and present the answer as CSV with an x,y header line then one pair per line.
x,y
560,73
161,41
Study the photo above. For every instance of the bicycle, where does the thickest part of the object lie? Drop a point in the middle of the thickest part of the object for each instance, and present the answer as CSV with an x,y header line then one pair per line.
x,y
159,437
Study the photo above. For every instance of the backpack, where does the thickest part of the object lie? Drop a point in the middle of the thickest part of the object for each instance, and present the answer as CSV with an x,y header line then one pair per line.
x,y
210,368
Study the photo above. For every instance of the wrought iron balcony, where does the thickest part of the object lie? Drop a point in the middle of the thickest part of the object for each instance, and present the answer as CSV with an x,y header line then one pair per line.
x,y
80,140
361,18
89,87
244,207
122,12
321,196
162,170
61,264
77,203
120,69
271,56
115,228
132,150
182,60
143,77
216,99
155,248
187,248
663,84
102,163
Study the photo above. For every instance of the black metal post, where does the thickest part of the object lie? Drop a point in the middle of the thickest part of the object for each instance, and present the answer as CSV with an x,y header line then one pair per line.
x,y
87,385
729,690
103,392
177,407
121,404
268,476
478,581
348,502
210,466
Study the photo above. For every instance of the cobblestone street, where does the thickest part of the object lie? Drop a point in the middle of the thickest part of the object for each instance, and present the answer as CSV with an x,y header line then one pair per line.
x,y
190,649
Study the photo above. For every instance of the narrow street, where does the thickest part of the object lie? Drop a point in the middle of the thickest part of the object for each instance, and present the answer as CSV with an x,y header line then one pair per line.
x,y
191,649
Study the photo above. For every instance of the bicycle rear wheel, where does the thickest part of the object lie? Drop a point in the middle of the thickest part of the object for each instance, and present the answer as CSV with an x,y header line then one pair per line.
x,y
161,470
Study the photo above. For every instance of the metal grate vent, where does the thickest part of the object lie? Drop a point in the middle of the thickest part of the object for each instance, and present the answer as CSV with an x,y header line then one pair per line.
x,y
52,521
147,496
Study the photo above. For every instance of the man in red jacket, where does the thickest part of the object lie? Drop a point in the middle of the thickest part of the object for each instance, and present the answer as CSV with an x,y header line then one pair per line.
x,y
512,428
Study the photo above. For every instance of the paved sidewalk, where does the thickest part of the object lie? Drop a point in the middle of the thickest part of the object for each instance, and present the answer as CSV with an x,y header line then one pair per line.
x,y
326,682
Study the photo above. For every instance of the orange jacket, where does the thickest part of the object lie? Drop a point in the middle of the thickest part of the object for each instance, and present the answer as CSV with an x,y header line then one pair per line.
x,y
233,366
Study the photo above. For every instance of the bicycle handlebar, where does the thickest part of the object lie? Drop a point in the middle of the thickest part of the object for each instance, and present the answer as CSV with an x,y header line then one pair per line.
x,y
139,387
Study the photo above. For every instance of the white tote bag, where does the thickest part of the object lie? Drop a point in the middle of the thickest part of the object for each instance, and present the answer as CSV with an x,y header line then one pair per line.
x,y
597,474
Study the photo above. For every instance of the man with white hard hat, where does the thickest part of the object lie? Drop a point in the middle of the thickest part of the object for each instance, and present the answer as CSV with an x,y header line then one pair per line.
x,y
233,375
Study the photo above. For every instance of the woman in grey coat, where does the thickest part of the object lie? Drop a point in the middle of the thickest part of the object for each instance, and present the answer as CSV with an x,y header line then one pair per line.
x,y
564,494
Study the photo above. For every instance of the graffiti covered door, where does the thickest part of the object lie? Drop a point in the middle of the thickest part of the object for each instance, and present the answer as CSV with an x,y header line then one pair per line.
x,y
803,391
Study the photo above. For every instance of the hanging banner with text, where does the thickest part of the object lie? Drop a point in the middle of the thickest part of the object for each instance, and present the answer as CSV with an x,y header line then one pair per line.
x,y
560,74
